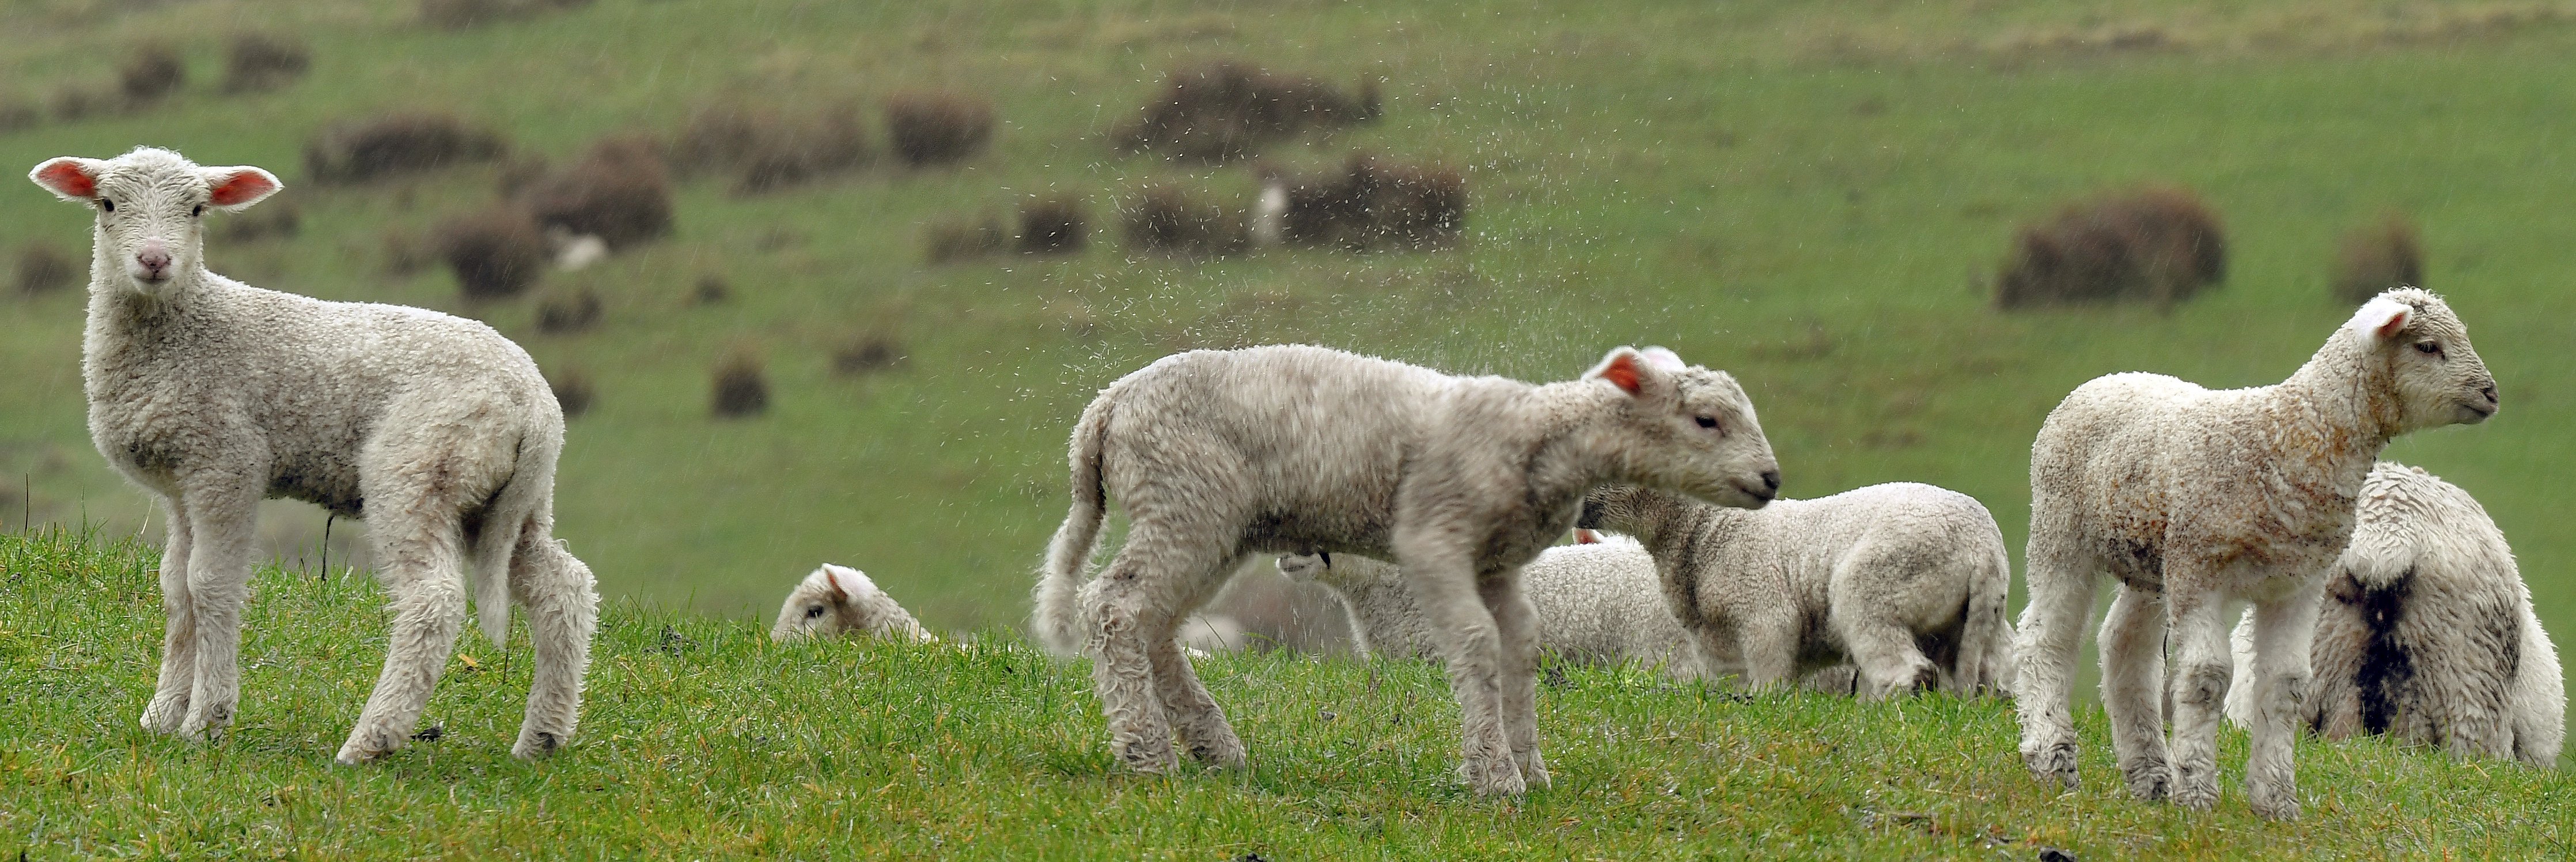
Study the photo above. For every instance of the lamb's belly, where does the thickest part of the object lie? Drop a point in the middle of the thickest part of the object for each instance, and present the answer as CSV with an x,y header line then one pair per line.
x,y
325,481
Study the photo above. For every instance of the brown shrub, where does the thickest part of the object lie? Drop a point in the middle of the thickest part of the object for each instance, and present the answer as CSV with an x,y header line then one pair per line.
x,y
152,72
572,391
19,114
571,310
866,354
1373,203
619,193
405,253
76,102
766,150
1053,225
2378,257
960,238
383,146
711,290
938,128
44,268
281,219
264,61
1227,110
2156,245
460,14
495,253
1168,220
741,385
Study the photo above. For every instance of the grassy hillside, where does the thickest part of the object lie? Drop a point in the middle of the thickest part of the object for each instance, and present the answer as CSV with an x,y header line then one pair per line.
x,y
1812,195
702,741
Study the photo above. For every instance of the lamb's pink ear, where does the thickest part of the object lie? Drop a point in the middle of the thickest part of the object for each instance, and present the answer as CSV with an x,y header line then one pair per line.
x,y
1663,358
1625,368
235,188
846,581
1586,537
70,178
2382,318
832,580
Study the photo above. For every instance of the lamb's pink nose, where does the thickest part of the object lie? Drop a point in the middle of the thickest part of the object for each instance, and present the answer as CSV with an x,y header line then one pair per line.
x,y
155,262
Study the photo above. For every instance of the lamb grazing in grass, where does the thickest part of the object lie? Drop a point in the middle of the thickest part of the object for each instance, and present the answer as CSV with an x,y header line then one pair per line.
x,y
1877,576
1218,455
212,395
2191,497
839,600
1597,603
2426,633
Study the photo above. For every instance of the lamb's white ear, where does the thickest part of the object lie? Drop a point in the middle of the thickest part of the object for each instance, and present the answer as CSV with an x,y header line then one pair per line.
x,y
68,177
2382,317
848,581
238,187
1627,368
1663,358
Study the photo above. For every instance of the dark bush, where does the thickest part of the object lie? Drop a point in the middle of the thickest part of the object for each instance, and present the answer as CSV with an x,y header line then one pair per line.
x,y
392,144
495,253
1053,225
154,71
766,150
18,115
1168,220
938,128
2379,257
571,310
2156,245
1373,203
76,102
572,391
45,268
264,61
711,290
867,354
961,238
405,253
1227,110
277,219
460,14
741,385
619,193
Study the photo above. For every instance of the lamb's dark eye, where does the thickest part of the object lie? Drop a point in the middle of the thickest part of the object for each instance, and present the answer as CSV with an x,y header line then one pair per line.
x,y
106,205
2429,348
813,612
200,210
1705,421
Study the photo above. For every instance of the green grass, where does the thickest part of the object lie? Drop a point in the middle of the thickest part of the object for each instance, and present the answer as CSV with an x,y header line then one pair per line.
x,y
701,740
1811,195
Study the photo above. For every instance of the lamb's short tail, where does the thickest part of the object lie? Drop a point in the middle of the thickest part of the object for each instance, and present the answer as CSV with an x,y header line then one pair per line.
x,y
531,482
1058,619
1985,637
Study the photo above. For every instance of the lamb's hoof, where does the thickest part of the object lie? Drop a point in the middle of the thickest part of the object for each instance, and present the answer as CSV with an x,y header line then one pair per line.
x,y
363,748
1225,753
207,729
1146,760
2276,805
1534,771
2195,789
164,717
537,746
2149,780
1498,778
2052,764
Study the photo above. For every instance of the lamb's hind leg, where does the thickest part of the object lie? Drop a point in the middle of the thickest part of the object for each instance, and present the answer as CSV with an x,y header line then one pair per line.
x,y
1516,630
422,564
223,518
1134,608
562,602
1470,645
2133,674
169,704
2052,627
1890,663
2199,687
2284,632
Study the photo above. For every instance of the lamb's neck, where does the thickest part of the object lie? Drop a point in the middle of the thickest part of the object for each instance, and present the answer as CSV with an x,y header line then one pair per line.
x,y
117,310
1570,458
2335,414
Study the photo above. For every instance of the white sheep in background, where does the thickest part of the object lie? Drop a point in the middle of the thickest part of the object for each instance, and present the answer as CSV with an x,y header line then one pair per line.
x,y
1597,603
1874,576
1219,455
2191,497
839,600
212,395
2427,632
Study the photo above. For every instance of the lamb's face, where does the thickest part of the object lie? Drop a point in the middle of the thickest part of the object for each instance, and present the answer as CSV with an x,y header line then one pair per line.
x,y
1691,429
2438,378
150,206
833,601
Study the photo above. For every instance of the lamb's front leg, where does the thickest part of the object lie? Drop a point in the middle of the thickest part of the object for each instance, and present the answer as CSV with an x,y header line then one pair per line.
x,y
169,706
2133,678
1770,645
1470,644
222,523
2283,632
1516,627
2199,682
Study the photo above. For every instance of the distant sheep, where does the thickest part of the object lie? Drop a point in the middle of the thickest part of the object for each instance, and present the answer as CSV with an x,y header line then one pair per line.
x,y
1877,576
1597,603
2427,633
1219,455
212,394
2191,497
839,600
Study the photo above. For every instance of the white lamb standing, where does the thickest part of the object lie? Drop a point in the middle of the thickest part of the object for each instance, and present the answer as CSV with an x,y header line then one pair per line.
x,y
1597,602
1874,576
1219,455
839,600
213,395
2427,632
2191,497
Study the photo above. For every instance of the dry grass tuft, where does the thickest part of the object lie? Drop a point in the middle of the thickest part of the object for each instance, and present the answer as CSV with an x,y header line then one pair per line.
x,y
1052,225
566,311
956,239
938,128
495,253
44,268
394,144
867,354
741,385
572,391
1374,203
257,62
1227,109
710,290
2378,257
765,150
619,193
1168,220
2159,245
152,73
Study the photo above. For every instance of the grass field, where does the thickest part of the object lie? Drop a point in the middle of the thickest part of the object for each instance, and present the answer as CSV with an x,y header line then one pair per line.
x,y
700,741
1811,195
